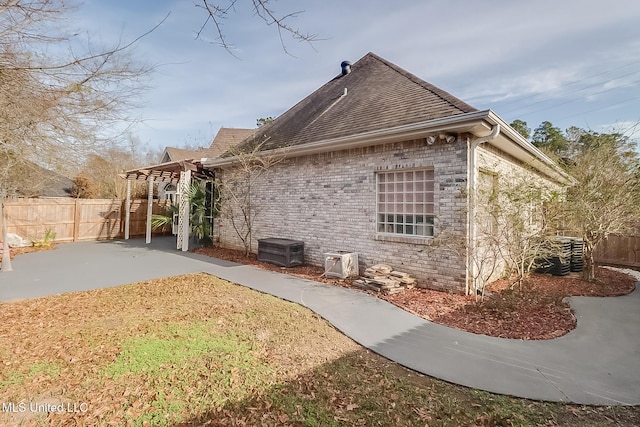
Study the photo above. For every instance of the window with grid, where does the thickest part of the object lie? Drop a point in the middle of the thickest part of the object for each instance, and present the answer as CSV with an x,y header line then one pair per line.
x,y
405,202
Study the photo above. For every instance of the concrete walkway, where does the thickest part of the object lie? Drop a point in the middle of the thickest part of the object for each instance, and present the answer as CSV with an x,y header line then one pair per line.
x,y
597,363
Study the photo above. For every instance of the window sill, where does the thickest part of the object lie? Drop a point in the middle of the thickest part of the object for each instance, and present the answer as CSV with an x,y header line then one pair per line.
x,y
415,240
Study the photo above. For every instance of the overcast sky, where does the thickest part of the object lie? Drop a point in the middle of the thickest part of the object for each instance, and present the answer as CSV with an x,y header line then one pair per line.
x,y
571,62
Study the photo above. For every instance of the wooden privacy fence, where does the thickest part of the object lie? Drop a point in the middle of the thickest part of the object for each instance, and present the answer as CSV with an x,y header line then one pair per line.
x,y
95,219
77,219
623,250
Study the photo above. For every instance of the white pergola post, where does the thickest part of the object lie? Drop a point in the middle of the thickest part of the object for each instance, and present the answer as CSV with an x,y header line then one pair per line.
x,y
183,213
127,212
149,209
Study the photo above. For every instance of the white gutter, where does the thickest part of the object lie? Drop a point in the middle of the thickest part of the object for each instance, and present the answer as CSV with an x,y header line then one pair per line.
x,y
467,122
460,122
471,201
529,153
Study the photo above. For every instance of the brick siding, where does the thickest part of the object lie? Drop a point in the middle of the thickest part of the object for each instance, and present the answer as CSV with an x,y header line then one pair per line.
x,y
329,202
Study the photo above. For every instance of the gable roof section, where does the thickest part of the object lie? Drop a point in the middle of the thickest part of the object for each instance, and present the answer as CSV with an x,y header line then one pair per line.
x,y
225,139
375,95
173,154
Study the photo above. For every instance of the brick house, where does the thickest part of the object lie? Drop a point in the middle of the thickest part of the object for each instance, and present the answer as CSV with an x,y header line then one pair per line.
x,y
380,162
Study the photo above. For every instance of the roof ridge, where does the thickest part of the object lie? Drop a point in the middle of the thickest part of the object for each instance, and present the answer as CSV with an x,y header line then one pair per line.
x,y
186,149
380,95
442,94
235,128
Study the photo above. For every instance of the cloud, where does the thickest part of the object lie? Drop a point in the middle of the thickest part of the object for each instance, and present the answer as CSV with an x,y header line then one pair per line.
x,y
513,57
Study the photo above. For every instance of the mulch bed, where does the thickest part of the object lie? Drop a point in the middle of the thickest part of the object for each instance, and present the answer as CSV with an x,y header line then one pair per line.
x,y
535,312
28,250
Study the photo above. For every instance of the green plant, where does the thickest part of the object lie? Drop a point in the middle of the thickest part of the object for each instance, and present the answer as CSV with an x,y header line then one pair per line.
x,y
159,221
49,237
200,225
14,377
198,220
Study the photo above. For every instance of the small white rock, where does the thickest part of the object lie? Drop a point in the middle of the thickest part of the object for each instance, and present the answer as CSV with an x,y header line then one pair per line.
x,y
630,272
16,241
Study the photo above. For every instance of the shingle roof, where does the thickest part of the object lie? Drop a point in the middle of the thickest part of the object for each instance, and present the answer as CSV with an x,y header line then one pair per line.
x,y
32,180
225,139
379,95
176,154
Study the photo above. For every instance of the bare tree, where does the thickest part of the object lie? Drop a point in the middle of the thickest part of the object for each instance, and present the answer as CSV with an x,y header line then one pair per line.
x,y
483,253
84,188
220,10
57,108
108,162
606,198
527,213
236,189
514,217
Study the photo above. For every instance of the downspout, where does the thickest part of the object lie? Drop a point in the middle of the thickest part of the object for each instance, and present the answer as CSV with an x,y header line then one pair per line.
x,y
472,176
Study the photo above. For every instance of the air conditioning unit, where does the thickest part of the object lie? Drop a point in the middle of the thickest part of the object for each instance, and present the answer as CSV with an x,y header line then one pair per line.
x,y
282,252
341,264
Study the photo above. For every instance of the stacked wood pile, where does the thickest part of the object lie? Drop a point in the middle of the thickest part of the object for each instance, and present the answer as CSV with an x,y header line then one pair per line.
x,y
383,278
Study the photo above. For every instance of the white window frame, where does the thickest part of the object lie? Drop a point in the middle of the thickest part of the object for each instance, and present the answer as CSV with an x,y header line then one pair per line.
x,y
170,195
405,203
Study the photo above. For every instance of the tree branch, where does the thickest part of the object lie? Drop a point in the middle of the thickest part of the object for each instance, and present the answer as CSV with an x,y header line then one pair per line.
x,y
217,13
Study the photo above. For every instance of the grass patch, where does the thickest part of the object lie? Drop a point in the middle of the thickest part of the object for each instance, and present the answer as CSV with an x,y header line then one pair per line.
x,y
196,350
39,371
179,345
192,366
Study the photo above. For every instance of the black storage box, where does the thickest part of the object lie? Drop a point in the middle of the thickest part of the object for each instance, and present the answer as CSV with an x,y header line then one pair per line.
x,y
577,247
559,265
282,252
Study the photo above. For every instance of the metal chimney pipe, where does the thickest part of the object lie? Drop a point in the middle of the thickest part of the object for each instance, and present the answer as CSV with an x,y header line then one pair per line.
x,y
346,67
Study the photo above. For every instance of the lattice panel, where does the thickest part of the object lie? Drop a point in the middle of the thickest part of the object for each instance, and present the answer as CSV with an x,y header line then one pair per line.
x,y
183,214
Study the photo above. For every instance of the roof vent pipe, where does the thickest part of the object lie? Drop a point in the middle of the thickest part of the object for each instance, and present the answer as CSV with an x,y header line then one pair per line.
x,y
346,67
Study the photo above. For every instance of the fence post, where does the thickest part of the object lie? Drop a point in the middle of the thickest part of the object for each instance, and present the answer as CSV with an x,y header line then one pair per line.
x,y
127,210
149,210
76,220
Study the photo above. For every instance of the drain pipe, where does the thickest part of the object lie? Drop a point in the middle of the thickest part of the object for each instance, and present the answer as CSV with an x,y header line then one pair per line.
x,y
472,176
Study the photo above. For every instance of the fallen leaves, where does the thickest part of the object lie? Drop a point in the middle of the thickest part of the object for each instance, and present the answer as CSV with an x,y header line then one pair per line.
x,y
58,348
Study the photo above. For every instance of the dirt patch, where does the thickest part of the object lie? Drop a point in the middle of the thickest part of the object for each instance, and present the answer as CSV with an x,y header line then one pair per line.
x,y
532,313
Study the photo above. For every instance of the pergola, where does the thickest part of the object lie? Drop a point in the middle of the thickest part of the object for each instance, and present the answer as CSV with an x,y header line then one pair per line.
x,y
178,173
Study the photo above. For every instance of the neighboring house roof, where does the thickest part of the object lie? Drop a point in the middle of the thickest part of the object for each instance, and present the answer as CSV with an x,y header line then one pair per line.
x,y
225,139
29,179
172,154
57,185
375,95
